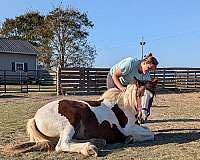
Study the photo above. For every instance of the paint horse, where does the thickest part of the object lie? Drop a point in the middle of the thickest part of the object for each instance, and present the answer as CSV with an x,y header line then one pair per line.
x,y
70,124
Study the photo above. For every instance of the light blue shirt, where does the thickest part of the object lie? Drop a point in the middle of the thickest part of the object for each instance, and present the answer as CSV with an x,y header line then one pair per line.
x,y
129,68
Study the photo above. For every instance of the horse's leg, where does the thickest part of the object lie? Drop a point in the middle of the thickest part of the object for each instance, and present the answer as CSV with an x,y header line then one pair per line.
x,y
66,144
141,133
99,143
87,148
65,136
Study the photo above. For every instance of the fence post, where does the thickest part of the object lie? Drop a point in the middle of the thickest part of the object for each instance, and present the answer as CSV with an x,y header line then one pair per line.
x,y
163,78
187,77
176,81
20,80
195,79
58,81
88,80
26,80
4,76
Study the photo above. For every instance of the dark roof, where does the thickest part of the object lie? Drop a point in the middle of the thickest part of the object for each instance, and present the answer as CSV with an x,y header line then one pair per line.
x,y
16,46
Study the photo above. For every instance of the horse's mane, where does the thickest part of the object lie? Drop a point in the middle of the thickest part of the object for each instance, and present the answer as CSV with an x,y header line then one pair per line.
x,y
125,100
111,94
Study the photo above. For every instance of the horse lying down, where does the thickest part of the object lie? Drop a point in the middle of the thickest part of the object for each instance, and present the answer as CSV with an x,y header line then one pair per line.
x,y
68,125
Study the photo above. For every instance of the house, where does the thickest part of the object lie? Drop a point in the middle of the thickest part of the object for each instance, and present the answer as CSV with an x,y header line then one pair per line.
x,y
18,60
17,55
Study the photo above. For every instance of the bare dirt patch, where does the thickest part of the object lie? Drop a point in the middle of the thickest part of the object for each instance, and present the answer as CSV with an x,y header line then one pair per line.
x,y
174,119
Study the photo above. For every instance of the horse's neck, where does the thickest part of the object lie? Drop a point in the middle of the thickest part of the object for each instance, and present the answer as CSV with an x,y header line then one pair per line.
x,y
111,95
129,98
126,101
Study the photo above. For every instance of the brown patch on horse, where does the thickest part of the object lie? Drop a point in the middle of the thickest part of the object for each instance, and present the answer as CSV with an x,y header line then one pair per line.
x,y
71,110
149,85
86,124
122,119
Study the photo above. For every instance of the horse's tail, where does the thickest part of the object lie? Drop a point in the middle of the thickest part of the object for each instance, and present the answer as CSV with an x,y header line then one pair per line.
x,y
38,141
33,132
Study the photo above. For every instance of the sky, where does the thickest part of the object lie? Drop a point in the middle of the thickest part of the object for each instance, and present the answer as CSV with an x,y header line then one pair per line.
x,y
170,28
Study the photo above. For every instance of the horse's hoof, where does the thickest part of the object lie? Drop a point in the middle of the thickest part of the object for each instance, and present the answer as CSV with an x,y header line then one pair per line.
x,y
142,119
90,150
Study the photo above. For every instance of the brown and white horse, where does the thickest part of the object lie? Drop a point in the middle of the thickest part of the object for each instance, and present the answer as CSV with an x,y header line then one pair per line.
x,y
112,118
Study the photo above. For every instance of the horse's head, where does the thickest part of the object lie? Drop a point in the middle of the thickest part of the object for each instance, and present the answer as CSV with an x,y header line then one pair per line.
x,y
146,91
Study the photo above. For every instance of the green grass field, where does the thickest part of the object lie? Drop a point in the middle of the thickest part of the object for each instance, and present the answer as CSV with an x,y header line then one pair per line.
x,y
175,121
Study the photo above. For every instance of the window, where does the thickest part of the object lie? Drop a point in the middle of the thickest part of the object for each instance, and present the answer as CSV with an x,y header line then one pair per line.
x,y
19,66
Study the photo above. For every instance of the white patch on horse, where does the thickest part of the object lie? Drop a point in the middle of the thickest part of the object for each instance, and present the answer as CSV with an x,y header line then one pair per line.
x,y
145,99
50,122
104,112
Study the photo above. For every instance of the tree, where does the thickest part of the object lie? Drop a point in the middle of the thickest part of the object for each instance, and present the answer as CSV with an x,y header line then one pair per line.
x,y
69,29
30,27
25,27
61,36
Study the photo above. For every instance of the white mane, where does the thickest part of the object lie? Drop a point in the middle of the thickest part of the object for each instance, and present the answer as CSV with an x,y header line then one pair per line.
x,y
126,100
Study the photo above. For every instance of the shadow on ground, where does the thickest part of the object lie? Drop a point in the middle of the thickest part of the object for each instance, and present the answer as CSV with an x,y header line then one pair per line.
x,y
174,120
11,96
160,139
163,106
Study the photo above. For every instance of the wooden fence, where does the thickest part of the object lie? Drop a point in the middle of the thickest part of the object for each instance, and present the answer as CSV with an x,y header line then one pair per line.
x,y
93,80
30,81
80,81
179,79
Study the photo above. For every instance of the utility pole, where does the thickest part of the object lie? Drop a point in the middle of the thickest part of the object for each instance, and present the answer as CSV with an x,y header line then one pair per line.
x,y
142,43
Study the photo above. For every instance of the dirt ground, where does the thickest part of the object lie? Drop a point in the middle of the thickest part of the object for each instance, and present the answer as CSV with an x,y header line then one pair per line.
x,y
175,120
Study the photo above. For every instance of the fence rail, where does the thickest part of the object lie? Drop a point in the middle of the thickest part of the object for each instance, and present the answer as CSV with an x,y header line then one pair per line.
x,y
93,80
30,81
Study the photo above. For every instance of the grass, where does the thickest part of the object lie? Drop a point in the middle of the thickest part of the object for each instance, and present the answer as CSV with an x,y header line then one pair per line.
x,y
174,120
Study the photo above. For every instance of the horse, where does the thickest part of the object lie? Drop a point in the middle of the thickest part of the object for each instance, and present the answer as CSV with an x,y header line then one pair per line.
x,y
70,125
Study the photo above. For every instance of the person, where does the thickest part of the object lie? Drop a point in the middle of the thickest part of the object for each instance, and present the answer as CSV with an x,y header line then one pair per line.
x,y
130,69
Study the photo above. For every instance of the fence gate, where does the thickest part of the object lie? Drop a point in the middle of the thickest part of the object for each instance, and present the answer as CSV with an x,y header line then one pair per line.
x,y
30,81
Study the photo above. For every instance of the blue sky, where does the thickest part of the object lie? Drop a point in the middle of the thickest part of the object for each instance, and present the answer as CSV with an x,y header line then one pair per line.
x,y
171,28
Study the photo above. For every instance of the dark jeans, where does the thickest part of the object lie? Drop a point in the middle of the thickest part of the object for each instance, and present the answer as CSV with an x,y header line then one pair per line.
x,y
110,83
